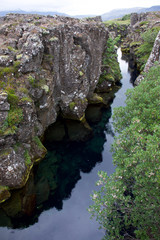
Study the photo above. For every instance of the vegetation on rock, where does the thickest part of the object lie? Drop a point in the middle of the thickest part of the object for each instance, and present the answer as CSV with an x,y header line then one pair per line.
x,y
141,36
110,66
143,50
125,20
127,205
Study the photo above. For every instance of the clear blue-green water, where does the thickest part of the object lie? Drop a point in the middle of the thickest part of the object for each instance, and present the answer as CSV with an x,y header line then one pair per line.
x,y
64,180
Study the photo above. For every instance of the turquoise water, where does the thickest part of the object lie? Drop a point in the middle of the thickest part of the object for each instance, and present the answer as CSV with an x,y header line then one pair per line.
x,y
64,180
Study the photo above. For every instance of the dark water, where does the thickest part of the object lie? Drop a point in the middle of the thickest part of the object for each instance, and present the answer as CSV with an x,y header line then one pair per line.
x,y
64,181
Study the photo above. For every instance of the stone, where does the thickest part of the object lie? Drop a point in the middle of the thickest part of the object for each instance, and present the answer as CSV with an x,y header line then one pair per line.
x,y
53,65
154,57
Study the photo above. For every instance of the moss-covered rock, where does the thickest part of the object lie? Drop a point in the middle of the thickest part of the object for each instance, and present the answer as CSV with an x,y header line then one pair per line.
x,y
44,71
110,68
141,36
4,193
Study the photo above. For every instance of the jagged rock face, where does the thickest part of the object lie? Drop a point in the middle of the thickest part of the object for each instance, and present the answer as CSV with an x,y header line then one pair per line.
x,y
47,65
155,54
154,57
136,18
139,24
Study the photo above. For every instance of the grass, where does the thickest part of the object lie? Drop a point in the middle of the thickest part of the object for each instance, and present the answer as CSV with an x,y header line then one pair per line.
x,y
117,21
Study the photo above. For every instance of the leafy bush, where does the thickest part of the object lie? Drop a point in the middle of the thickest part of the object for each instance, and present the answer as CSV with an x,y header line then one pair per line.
x,y
126,17
128,202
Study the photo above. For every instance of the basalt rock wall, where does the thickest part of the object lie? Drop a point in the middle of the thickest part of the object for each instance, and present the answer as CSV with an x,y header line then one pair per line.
x,y
48,65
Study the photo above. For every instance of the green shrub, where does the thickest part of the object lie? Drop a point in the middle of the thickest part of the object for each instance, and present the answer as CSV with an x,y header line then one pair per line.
x,y
126,17
127,205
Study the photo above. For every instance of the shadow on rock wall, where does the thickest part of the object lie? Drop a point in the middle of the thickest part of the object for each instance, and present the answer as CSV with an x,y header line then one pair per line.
x,y
53,180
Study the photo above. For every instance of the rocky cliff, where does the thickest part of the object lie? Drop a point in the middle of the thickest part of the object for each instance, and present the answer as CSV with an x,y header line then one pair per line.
x,y
153,58
48,66
139,42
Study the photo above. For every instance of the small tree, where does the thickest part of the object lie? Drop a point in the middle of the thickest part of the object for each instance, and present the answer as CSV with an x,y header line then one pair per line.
x,y
128,203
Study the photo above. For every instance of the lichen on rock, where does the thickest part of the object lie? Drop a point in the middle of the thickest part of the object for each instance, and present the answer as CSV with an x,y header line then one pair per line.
x,y
48,66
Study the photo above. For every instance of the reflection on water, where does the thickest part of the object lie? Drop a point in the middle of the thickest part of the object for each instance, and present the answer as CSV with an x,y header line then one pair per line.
x,y
50,207
55,177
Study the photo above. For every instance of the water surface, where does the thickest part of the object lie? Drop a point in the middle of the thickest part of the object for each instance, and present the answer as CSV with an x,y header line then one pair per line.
x,y
64,213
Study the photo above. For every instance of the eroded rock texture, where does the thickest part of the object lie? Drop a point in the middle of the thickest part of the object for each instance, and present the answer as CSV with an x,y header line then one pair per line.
x,y
48,65
154,57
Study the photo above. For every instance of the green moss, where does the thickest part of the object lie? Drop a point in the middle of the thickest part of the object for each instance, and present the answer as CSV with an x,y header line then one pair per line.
x,y
44,28
19,56
5,70
125,49
107,77
138,30
118,22
46,88
32,80
4,193
2,84
13,99
52,39
135,44
12,49
110,70
15,116
95,99
10,90
10,70
16,146
4,187
72,105
38,142
23,90
143,23
26,99
82,119
37,82
27,158
81,73
5,152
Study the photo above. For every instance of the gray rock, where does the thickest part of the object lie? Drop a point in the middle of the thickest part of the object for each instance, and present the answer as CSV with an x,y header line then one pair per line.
x,y
154,56
56,66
